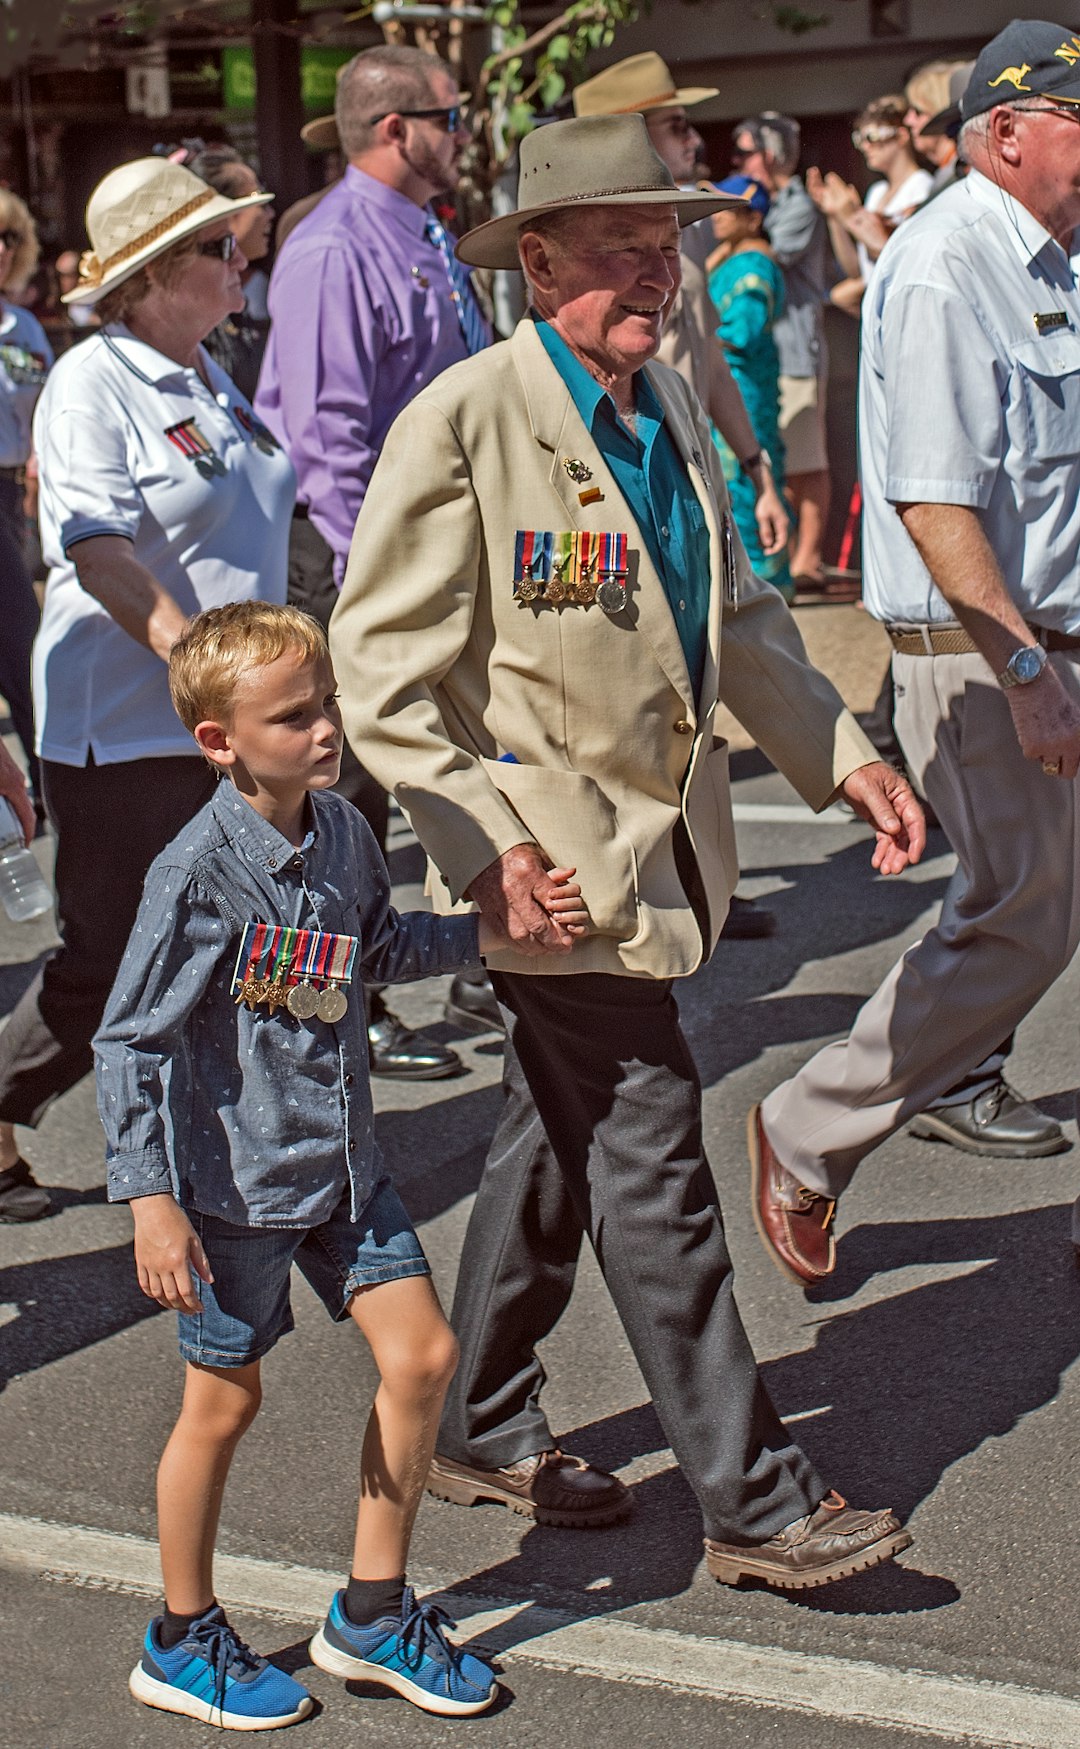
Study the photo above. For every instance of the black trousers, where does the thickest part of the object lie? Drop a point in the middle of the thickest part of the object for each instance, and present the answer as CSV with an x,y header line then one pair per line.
x,y
601,1134
110,823
19,617
312,587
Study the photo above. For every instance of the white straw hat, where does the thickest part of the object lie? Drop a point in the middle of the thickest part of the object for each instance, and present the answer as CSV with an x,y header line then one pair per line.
x,y
136,213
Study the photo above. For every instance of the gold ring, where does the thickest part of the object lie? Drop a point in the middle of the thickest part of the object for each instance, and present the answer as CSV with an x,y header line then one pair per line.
x,y
1052,767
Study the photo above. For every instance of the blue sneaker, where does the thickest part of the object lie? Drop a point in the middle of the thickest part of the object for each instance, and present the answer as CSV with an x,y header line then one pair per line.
x,y
214,1677
412,1656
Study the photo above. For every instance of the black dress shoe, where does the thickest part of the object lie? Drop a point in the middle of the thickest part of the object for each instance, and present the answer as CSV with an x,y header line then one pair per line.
x,y
400,1054
21,1197
996,1122
471,1004
747,921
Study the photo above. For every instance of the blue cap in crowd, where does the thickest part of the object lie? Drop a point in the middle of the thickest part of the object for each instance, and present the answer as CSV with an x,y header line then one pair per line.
x,y
756,197
1028,58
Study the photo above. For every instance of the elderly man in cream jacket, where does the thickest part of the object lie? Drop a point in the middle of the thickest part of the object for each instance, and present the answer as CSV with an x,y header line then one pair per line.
x,y
546,598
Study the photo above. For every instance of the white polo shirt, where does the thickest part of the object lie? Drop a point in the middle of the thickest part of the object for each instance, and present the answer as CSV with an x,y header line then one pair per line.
x,y
25,357
131,443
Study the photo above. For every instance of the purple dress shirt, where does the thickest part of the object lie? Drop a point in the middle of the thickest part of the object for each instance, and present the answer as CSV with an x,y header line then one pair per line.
x,y
362,321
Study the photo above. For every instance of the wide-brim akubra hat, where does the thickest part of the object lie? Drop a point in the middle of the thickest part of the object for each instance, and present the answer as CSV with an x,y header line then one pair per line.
x,y
137,212
594,160
639,83
947,120
321,134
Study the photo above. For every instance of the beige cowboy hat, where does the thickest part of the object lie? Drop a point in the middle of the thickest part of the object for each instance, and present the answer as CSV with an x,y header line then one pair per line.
x,y
595,160
321,134
640,82
137,212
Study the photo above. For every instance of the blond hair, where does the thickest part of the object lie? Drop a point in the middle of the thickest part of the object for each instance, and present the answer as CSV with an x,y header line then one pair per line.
x,y
927,91
217,648
15,215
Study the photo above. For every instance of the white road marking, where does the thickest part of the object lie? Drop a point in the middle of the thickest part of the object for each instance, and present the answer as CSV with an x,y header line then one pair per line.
x,y
995,1715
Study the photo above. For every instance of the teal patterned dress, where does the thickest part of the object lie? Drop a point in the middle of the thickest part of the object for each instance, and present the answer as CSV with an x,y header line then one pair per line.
x,y
748,291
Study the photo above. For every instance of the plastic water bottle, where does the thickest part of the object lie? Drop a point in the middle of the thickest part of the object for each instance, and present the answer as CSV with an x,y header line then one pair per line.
x,y
23,893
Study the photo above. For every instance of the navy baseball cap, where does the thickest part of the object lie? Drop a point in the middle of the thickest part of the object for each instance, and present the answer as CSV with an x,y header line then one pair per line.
x,y
756,197
1029,58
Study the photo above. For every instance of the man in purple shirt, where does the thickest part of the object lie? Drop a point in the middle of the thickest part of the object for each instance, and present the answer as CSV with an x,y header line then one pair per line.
x,y
369,305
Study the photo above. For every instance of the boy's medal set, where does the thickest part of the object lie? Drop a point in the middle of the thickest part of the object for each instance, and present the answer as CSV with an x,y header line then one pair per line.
x,y
303,970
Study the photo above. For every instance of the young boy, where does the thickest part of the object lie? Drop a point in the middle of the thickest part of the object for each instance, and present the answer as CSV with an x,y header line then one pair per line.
x,y
233,1087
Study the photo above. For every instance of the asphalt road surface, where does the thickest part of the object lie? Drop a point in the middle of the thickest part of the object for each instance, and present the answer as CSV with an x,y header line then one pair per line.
x,y
937,1372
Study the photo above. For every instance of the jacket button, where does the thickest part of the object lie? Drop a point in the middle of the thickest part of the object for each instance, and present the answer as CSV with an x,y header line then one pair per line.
x,y
682,727
349,1079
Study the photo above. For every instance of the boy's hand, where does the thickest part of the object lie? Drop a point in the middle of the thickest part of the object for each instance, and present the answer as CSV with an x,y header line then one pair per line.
x,y
566,908
167,1250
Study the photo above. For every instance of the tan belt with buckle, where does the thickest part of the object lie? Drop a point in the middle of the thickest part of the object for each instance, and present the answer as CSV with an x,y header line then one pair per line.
x,y
954,641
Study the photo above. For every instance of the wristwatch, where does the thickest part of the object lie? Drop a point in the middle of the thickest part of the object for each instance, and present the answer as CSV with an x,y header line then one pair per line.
x,y
760,458
1023,666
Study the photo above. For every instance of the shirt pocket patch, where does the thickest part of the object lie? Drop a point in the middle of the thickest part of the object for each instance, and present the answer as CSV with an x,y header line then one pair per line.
x,y
1050,389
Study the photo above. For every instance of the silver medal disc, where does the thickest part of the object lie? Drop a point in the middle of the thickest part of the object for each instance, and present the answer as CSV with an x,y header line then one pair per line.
x,y
611,595
333,1005
303,1001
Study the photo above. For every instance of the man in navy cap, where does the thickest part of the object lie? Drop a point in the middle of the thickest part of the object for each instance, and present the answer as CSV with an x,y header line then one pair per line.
x,y
970,455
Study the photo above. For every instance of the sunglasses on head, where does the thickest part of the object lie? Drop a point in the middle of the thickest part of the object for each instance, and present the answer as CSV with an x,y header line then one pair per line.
x,y
11,239
224,248
450,118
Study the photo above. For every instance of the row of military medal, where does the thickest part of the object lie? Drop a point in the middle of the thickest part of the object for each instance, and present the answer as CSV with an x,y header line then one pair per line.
x,y
301,970
575,566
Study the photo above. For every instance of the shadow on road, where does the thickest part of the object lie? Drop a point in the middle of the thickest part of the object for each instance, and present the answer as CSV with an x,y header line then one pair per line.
x,y
907,1387
65,1304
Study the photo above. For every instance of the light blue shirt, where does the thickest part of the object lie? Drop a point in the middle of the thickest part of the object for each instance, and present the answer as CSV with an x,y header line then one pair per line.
x,y
652,477
964,400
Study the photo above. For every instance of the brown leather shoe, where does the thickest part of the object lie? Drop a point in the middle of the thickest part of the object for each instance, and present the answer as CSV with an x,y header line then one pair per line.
x,y
550,1486
831,1543
795,1223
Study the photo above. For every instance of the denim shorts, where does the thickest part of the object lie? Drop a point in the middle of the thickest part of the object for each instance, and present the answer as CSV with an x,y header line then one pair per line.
x,y
246,1307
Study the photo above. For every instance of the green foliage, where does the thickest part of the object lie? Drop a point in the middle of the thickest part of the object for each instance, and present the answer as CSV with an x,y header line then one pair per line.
x,y
798,22
529,74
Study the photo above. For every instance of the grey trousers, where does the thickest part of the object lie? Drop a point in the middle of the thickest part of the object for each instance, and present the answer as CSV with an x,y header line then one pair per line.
x,y
1009,925
601,1134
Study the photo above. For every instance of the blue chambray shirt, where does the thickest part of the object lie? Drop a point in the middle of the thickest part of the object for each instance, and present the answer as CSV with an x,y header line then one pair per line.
x,y
260,1119
652,477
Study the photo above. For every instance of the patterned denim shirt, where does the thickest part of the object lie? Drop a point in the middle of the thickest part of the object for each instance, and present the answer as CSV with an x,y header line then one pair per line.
x,y
258,1118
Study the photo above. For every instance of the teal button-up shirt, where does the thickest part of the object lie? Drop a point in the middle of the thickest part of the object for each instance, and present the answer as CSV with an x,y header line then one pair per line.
x,y
652,477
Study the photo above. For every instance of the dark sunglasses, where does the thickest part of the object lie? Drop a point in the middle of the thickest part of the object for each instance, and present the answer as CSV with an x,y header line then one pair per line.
x,y
451,118
11,239
223,247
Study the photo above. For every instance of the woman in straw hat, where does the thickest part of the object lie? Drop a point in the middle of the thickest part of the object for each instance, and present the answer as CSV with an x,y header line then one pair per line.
x,y
161,494
25,357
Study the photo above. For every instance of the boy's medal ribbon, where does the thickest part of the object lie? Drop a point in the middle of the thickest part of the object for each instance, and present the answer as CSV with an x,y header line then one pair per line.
x,y
333,1002
246,984
280,950
311,952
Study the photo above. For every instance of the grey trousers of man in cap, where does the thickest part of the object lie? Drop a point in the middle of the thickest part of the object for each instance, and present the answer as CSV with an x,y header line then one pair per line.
x,y
1009,925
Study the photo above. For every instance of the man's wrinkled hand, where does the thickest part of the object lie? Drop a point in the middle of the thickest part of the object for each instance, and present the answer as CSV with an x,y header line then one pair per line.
x,y
167,1251
516,894
1047,724
883,796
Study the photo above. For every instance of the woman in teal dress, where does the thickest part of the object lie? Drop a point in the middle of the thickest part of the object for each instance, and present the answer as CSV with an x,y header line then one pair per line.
x,y
747,287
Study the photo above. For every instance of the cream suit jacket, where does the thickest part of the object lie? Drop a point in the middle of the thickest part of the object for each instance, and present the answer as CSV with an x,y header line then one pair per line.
x,y
442,671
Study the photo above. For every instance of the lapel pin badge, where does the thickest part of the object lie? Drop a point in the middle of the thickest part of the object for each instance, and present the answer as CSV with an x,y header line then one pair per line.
x,y
577,471
592,495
